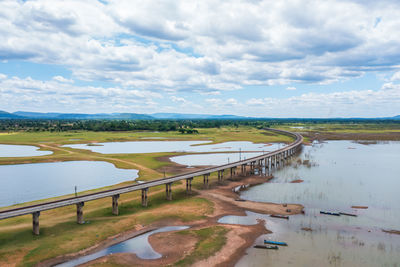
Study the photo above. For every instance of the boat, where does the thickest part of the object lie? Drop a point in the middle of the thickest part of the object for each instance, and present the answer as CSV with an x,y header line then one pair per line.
x,y
280,216
330,213
266,247
348,214
275,243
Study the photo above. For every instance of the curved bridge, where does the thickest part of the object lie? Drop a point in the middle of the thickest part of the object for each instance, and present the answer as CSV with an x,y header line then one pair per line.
x,y
268,162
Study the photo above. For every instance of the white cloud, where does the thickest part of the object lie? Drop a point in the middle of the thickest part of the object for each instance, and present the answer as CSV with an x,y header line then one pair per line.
x,y
208,46
291,88
61,79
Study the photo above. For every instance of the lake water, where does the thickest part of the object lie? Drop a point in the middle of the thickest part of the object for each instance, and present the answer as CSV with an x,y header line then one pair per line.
x,y
139,245
174,146
27,182
337,175
213,158
21,151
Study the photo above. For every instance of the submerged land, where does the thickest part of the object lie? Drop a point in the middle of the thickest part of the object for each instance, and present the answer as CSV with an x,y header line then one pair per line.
x,y
208,242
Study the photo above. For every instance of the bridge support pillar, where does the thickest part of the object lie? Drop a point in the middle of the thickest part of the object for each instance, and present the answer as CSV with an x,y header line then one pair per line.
x,y
115,210
79,212
35,222
144,197
220,176
205,180
189,185
168,191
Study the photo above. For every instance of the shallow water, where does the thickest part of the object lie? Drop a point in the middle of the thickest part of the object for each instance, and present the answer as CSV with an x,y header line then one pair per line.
x,y
174,146
21,151
27,182
339,174
139,245
212,159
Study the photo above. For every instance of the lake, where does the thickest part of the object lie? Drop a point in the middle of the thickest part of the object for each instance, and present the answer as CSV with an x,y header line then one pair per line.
x,y
21,151
173,146
27,182
337,175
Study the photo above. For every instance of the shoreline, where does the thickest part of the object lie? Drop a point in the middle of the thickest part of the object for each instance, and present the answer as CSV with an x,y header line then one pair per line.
x,y
239,237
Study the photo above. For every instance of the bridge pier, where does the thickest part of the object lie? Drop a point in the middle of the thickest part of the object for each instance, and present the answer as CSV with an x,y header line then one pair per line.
x,y
189,185
220,176
168,191
35,222
79,212
144,197
115,210
205,180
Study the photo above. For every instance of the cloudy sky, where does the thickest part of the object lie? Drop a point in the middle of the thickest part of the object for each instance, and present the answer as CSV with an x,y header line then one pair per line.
x,y
253,58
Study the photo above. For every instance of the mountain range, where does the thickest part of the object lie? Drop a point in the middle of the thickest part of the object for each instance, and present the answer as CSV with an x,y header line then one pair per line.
x,y
132,116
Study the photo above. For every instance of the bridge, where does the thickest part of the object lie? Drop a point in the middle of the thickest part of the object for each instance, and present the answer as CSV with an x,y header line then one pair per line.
x,y
265,162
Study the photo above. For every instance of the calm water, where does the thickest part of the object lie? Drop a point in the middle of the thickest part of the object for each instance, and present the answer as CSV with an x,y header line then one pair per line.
x,y
173,146
212,159
21,151
139,245
27,182
336,175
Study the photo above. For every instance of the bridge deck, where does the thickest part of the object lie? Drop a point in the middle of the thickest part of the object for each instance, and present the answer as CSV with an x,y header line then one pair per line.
x,y
108,193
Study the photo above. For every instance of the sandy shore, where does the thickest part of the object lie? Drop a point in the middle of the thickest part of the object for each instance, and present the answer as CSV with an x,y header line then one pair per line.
x,y
173,247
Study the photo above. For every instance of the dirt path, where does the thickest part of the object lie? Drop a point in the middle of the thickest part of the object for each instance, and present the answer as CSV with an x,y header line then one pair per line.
x,y
174,248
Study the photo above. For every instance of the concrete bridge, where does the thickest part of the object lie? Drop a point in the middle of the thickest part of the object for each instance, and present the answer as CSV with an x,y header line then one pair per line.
x,y
263,163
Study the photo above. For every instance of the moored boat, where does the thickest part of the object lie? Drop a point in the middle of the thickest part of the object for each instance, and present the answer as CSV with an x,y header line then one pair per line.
x,y
275,243
329,213
266,247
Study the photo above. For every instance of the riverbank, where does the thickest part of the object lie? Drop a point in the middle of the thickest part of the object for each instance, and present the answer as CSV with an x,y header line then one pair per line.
x,y
238,238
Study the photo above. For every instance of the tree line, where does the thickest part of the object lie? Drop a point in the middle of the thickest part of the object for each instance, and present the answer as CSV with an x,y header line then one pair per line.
x,y
182,126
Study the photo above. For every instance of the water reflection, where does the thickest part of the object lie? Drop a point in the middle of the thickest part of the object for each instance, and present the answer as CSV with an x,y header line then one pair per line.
x,y
139,245
173,146
27,182
21,151
337,175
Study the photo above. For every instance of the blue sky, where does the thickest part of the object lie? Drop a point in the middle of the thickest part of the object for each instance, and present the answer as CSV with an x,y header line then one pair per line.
x,y
254,58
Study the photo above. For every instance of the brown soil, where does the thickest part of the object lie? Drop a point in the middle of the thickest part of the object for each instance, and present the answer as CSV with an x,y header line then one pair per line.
x,y
174,247
321,136
396,232
297,181
359,207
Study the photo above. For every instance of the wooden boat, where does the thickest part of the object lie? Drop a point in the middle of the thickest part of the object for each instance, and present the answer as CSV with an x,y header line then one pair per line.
x,y
275,243
266,247
348,214
280,216
330,213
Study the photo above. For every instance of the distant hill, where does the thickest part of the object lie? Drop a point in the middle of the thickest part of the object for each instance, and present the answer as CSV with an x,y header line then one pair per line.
x,y
159,116
179,116
82,116
6,115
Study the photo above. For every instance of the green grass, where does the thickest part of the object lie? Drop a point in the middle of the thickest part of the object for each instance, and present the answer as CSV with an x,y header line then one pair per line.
x,y
209,241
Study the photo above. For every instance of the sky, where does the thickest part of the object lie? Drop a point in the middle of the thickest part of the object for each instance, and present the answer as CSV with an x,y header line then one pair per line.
x,y
288,58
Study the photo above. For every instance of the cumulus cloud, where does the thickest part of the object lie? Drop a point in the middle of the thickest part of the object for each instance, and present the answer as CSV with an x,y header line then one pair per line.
x,y
172,46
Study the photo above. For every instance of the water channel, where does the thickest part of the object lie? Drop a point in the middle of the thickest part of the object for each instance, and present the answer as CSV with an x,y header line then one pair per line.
x,y
337,175
27,182
139,245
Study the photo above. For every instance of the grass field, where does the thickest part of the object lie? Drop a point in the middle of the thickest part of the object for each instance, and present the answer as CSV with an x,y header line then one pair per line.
x,y
59,233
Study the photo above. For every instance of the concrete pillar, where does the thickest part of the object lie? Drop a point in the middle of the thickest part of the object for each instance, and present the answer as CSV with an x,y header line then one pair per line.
x,y
115,210
205,180
35,222
220,176
144,197
168,191
189,185
79,212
